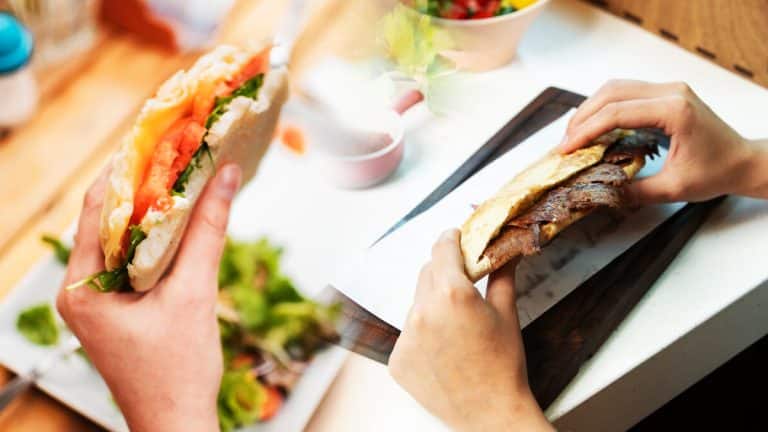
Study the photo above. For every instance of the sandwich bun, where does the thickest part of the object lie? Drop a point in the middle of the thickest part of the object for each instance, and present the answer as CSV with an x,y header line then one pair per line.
x,y
521,192
477,269
241,135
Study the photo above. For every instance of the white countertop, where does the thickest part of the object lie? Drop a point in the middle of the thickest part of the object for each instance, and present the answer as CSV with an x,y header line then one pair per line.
x,y
702,311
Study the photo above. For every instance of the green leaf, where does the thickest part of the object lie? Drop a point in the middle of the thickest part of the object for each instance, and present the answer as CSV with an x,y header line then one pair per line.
x,y
240,399
115,280
251,306
59,249
38,325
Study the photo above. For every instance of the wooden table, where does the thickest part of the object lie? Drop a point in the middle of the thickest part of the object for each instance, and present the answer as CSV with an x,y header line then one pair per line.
x,y
46,166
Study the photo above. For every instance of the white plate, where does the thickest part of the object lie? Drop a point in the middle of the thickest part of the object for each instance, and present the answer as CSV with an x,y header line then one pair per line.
x,y
78,385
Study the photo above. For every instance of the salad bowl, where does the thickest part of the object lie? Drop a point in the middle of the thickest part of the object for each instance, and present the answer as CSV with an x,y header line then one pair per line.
x,y
481,44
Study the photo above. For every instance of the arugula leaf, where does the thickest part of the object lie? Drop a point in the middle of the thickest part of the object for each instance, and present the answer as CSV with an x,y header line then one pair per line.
x,y
38,325
249,89
60,250
115,280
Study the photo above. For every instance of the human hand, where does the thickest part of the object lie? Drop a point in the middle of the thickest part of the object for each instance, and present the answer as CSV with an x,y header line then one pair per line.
x,y
707,157
461,356
159,352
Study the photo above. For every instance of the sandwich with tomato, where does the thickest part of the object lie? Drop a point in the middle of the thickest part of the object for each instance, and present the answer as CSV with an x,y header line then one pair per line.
x,y
551,195
223,109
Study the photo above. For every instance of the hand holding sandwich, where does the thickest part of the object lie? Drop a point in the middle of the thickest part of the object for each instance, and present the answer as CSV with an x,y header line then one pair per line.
x,y
461,356
707,157
159,351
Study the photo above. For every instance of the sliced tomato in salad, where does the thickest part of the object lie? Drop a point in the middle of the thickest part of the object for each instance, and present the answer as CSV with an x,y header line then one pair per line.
x,y
454,11
490,9
272,403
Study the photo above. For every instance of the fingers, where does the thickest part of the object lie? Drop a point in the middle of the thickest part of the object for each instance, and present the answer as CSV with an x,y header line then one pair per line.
x,y
197,264
86,257
424,285
612,94
617,91
451,287
627,114
446,254
658,189
500,293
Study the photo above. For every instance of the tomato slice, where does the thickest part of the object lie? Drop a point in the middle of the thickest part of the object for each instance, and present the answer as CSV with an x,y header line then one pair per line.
x,y
188,144
180,142
454,11
272,403
258,64
488,10
155,182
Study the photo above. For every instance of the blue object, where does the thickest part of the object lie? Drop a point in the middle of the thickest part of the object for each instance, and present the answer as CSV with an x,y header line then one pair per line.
x,y
15,44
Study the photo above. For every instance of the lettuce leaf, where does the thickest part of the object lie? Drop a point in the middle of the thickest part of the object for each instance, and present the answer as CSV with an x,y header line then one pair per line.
x,y
413,42
240,399
273,315
38,325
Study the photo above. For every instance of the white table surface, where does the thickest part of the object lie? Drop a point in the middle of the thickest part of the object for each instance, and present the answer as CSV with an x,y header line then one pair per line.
x,y
709,305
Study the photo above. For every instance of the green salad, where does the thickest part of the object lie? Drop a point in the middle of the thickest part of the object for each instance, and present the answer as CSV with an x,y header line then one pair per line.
x,y
269,331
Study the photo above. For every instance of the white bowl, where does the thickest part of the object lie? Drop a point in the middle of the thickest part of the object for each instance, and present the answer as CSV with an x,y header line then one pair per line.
x,y
487,43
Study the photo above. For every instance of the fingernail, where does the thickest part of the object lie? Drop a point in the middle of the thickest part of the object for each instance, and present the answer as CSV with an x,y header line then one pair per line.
x,y
563,142
228,181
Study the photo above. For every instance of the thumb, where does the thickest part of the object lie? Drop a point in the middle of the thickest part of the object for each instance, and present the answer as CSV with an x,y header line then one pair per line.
x,y
656,189
197,264
500,293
